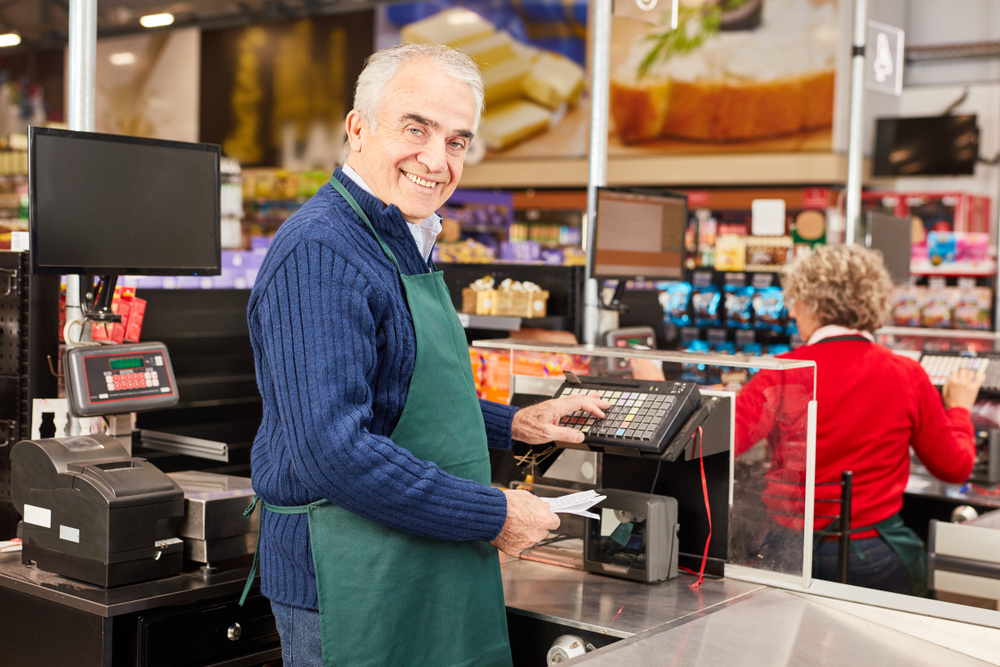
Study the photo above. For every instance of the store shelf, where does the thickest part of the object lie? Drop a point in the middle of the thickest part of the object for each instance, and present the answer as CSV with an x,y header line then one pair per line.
x,y
490,322
986,268
937,333
702,170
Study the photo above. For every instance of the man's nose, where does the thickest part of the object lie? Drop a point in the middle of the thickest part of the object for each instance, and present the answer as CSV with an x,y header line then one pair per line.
x,y
434,157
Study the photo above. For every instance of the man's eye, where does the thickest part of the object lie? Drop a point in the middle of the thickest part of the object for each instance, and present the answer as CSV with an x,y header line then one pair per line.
x,y
416,131
458,145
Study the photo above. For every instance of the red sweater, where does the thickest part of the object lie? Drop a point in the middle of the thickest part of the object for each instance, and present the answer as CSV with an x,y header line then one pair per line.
x,y
872,405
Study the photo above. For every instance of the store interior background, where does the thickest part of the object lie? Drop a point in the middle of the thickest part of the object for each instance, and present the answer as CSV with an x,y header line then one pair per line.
x,y
172,87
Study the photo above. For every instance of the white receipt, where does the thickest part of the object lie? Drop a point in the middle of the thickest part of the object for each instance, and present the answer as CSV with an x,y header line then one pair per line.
x,y
575,503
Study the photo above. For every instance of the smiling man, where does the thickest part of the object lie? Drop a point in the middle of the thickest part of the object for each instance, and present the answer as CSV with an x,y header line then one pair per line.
x,y
379,532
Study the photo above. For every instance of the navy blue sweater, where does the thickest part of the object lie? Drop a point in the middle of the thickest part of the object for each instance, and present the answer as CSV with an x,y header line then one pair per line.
x,y
334,348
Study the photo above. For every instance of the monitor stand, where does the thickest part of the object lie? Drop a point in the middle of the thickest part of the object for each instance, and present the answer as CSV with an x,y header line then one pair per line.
x,y
98,309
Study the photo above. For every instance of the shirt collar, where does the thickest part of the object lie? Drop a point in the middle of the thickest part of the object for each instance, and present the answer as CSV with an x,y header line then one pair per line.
x,y
835,330
432,223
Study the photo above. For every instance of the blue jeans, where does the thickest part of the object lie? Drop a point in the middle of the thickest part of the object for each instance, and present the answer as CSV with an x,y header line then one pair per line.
x,y
872,564
301,645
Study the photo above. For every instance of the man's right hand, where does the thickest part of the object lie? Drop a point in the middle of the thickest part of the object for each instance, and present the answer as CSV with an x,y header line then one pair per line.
x,y
529,520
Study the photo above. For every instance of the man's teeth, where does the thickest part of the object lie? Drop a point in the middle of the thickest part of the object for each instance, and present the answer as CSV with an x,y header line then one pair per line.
x,y
419,181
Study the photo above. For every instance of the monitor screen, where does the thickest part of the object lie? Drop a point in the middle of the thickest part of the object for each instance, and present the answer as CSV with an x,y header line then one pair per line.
x,y
109,204
892,236
932,146
639,233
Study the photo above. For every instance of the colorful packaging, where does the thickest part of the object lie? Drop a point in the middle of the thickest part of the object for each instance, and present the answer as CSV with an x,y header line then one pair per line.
x,y
739,307
675,298
941,248
973,309
907,303
775,350
769,309
705,305
730,252
937,310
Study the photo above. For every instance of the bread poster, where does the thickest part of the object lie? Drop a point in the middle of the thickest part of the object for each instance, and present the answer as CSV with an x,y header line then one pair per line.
x,y
733,76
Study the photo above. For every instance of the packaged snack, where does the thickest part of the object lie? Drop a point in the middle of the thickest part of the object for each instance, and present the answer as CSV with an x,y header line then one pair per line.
x,y
675,298
705,305
775,350
941,247
937,310
907,302
739,307
971,247
697,373
769,309
792,328
730,252
768,253
752,349
725,347
973,309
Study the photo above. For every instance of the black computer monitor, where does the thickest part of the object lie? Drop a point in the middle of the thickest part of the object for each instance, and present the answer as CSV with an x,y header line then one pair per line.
x,y
105,204
639,233
930,146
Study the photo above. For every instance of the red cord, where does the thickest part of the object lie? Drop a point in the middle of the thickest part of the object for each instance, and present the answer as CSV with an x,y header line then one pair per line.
x,y
708,509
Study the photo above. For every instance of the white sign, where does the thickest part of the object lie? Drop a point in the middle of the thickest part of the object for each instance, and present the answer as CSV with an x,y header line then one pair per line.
x,y
649,11
884,58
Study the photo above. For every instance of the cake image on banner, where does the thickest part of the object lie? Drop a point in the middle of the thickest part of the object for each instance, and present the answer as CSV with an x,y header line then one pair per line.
x,y
732,72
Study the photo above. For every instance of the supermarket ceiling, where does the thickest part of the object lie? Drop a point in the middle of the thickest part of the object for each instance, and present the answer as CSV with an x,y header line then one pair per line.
x,y
45,23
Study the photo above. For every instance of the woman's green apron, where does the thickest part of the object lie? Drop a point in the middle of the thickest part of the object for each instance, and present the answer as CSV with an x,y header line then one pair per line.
x,y
391,598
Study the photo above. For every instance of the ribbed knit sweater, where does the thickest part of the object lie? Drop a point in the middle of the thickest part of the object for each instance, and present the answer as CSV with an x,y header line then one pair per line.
x,y
334,348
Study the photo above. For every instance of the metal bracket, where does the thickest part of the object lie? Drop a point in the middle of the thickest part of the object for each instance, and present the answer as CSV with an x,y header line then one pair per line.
x,y
6,427
8,281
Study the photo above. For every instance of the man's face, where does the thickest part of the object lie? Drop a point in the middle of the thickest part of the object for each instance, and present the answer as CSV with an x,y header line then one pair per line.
x,y
414,158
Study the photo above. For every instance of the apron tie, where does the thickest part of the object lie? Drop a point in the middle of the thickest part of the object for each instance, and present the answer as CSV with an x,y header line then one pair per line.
x,y
247,513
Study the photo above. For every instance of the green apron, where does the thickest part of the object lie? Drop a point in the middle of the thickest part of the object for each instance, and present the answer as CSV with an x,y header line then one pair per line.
x,y
902,540
387,597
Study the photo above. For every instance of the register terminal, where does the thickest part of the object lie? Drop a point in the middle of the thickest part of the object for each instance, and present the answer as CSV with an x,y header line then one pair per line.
x,y
91,511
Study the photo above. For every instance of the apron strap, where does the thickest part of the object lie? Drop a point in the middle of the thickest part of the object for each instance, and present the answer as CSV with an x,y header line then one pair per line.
x,y
247,513
339,187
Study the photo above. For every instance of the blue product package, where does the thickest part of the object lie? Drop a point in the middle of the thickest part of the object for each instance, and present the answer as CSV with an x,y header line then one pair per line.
x,y
725,347
775,350
769,309
739,307
675,297
941,247
792,328
696,373
752,349
705,304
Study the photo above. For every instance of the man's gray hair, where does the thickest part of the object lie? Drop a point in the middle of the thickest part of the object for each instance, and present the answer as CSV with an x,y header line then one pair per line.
x,y
383,65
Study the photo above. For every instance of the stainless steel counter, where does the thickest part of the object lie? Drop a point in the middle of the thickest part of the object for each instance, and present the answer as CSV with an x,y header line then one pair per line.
x,y
733,622
607,605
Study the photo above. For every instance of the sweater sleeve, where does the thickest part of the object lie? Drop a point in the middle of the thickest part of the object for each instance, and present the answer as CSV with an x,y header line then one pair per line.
x,y
318,335
498,418
944,440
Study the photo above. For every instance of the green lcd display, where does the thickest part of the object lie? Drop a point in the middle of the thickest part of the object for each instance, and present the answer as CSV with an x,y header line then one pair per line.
x,y
127,362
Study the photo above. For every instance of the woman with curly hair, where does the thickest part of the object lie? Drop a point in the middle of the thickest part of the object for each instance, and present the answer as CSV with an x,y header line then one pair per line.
x,y
872,406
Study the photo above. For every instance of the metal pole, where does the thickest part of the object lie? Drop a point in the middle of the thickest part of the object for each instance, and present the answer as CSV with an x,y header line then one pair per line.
x,y
80,114
844,542
600,99
854,153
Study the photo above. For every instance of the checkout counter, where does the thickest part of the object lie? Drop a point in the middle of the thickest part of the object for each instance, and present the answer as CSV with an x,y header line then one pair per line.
x,y
741,614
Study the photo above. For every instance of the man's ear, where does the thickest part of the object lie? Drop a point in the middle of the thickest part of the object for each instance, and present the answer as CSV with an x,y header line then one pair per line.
x,y
353,127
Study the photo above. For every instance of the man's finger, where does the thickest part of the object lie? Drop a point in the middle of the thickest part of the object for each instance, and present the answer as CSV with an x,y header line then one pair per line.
x,y
563,434
591,404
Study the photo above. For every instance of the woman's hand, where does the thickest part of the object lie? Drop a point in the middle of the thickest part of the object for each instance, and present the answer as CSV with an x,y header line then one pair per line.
x,y
962,388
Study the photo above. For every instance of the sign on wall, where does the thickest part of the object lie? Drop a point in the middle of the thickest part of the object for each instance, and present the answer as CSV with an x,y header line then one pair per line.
x,y
884,58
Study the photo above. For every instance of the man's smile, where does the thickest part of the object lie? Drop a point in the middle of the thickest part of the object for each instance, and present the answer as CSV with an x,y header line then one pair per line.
x,y
420,181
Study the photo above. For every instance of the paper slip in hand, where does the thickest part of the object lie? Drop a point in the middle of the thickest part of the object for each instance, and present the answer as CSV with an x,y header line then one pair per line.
x,y
575,503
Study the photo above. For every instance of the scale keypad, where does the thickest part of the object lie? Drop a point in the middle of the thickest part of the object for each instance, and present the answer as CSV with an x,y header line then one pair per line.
x,y
633,415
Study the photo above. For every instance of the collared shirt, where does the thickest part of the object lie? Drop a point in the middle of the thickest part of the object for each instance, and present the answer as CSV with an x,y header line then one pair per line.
x,y
834,330
424,234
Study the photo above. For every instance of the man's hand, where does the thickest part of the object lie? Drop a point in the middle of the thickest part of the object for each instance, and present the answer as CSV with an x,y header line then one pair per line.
x,y
961,389
529,520
539,423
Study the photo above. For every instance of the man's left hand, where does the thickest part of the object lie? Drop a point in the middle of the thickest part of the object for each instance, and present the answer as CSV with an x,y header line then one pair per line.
x,y
539,423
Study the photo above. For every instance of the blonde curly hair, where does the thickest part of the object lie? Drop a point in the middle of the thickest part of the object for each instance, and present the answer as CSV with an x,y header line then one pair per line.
x,y
846,285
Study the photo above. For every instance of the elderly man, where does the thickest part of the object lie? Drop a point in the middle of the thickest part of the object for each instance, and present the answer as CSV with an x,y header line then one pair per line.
x,y
371,458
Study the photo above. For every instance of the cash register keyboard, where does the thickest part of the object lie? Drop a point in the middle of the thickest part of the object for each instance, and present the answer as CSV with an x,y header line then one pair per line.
x,y
940,366
644,415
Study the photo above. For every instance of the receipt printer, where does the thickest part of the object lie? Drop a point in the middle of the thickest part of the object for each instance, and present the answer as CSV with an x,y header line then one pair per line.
x,y
634,538
93,513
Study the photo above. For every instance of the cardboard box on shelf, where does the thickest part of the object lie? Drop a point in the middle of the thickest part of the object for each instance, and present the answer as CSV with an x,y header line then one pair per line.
x,y
477,302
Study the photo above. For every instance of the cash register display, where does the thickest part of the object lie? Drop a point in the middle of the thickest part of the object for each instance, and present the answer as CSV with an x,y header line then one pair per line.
x,y
120,378
618,539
